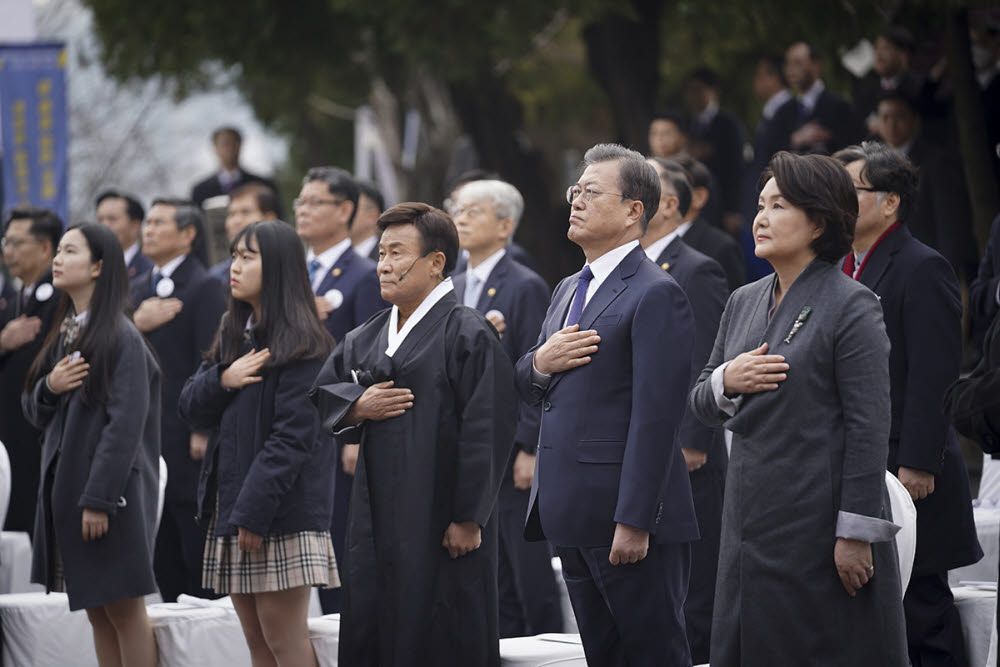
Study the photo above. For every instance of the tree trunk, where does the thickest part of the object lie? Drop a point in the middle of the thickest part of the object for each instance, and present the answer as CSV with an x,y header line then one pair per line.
x,y
624,57
972,135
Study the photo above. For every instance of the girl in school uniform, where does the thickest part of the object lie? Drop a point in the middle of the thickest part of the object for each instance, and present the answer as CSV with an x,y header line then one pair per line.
x,y
267,477
95,390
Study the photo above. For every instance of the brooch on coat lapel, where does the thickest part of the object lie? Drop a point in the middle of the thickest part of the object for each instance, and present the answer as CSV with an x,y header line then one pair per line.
x,y
799,321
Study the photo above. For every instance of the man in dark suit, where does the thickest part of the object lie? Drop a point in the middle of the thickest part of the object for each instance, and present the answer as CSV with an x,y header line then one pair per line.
x,y
227,142
611,371
984,292
826,121
922,308
364,234
715,137
248,203
702,236
177,307
347,294
704,449
123,214
31,236
514,299
942,217
8,296
890,73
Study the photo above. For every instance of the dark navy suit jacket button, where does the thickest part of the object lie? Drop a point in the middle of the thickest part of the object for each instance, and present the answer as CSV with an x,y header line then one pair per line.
x,y
546,406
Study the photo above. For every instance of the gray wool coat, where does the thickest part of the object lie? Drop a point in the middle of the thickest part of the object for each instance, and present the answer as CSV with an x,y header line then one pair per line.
x,y
102,457
808,464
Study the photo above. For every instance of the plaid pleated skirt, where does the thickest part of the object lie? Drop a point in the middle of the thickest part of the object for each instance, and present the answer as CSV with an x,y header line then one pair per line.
x,y
283,561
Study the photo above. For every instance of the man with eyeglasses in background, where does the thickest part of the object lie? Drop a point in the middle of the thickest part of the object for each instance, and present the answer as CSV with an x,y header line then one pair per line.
x,y
29,243
611,371
347,294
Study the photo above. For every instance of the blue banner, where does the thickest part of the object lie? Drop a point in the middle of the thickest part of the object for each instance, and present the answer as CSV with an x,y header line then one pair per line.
x,y
34,132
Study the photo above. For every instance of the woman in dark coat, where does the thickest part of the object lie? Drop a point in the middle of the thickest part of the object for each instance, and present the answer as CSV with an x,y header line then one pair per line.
x,y
267,478
808,572
95,390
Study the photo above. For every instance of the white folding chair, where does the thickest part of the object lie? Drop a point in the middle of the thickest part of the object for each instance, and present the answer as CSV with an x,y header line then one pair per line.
x,y
904,514
163,491
4,483
566,662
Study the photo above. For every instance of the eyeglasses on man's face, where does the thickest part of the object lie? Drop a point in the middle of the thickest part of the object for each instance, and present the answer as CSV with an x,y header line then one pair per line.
x,y
315,203
588,194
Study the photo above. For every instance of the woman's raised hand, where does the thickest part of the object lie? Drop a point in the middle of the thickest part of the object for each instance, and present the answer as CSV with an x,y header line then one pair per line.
x,y
244,370
67,375
753,372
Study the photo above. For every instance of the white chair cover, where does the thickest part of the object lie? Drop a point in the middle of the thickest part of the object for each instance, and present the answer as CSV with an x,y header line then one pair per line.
x,y
163,491
989,483
40,631
324,633
904,514
566,662
539,650
4,484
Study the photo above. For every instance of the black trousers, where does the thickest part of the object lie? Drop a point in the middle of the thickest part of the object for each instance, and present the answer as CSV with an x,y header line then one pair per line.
x,y
180,549
329,598
933,627
529,595
630,615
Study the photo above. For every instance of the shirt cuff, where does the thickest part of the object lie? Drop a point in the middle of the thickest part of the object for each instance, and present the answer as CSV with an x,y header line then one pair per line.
x,y
865,528
728,405
538,378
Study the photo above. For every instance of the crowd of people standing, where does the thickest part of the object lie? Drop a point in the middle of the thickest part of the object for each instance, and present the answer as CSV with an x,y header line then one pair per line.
x,y
391,404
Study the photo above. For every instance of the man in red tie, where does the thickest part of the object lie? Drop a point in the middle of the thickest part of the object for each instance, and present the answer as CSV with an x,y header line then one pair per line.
x,y
923,317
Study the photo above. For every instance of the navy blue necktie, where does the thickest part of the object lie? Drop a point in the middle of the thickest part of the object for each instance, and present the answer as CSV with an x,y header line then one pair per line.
x,y
157,277
313,268
582,284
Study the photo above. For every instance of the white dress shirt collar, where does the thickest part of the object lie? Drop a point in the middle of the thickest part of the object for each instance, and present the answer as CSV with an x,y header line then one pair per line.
x,y
168,269
775,102
364,248
659,245
477,277
684,227
131,252
604,265
709,114
397,335
326,260
809,98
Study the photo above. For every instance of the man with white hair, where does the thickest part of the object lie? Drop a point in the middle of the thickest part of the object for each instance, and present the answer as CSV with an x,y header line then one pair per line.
x,y
514,298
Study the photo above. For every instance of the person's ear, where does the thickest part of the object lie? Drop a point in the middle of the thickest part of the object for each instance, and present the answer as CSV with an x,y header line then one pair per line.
x,y
890,204
505,228
95,269
635,211
437,262
189,234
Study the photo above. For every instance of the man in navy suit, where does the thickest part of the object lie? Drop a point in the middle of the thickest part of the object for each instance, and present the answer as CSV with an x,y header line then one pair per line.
x,y
514,298
178,306
826,121
611,371
715,137
123,214
31,236
922,307
704,449
347,294
227,142
248,203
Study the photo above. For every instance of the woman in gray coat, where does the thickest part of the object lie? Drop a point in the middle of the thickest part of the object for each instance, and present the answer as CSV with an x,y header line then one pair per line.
x,y
95,391
799,373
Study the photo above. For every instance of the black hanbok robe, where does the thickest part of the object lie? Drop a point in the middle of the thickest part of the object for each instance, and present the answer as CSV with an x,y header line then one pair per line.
x,y
406,602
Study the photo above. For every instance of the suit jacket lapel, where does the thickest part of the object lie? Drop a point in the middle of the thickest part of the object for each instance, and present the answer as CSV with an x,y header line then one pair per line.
x,y
670,255
612,287
802,293
494,283
882,256
339,268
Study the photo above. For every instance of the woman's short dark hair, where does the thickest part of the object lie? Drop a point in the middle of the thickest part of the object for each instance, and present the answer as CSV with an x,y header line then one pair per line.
x,y
887,170
99,338
822,188
437,229
289,325
636,178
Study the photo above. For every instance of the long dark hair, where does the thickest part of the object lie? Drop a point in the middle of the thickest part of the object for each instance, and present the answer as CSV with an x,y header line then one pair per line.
x,y
289,324
99,337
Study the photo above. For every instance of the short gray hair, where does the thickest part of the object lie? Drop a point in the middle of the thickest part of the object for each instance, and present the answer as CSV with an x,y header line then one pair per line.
x,y
507,201
636,177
